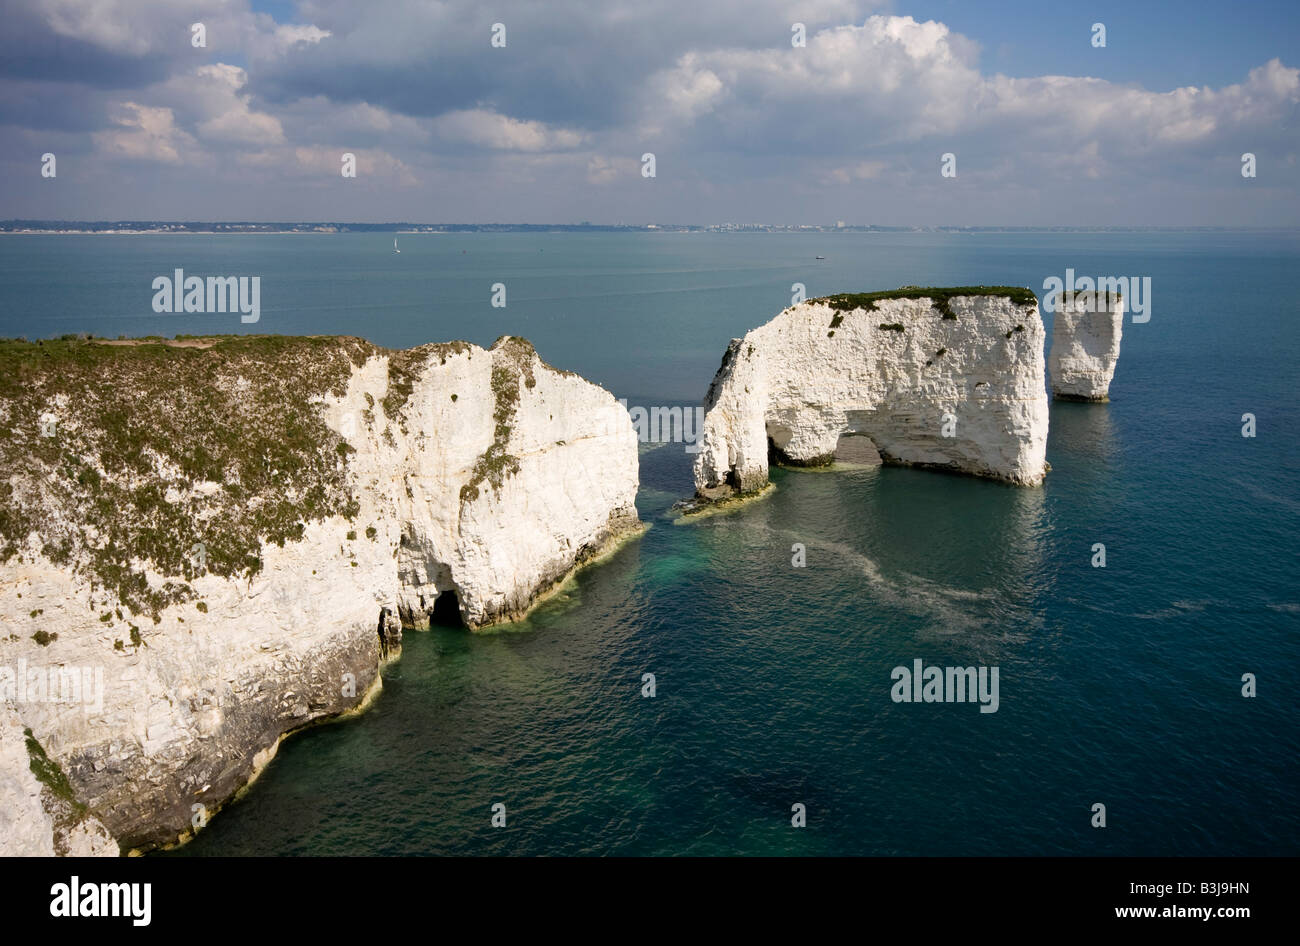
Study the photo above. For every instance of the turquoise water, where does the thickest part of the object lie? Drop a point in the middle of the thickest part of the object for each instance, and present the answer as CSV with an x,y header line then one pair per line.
x,y
1118,685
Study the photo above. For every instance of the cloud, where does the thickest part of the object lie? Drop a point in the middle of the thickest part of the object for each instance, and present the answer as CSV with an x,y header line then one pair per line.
x,y
129,43
567,63
862,171
896,85
288,36
603,169
163,28
125,27
144,134
326,163
488,129
223,115
740,120
317,119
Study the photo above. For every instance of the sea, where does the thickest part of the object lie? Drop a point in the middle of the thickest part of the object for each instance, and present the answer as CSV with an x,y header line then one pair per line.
x,y
1162,687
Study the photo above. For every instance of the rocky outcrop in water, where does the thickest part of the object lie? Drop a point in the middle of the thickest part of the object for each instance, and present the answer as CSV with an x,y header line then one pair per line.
x,y
944,378
1086,329
209,544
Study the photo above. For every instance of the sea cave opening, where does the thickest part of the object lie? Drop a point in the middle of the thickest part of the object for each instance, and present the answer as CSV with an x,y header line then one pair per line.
x,y
446,610
857,448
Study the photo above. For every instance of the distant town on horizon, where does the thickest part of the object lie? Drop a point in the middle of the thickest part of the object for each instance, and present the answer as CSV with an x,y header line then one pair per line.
x,y
246,226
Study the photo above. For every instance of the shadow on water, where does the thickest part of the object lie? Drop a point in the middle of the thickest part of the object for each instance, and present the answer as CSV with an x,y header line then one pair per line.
x,y
1085,433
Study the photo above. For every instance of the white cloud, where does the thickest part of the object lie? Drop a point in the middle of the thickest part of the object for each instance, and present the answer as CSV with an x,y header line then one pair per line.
x,y
144,134
487,129
231,120
290,35
163,27
128,27
316,118
373,165
189,116
603,169
862,171
738,117
894,83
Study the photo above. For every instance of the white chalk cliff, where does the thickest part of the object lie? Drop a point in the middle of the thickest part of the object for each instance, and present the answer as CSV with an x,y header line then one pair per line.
x,y
229,532
38,815
1086,330
946,378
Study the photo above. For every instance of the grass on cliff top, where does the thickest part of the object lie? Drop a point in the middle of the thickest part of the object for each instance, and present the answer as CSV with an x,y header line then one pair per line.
x,y
140,423
939,297
109,489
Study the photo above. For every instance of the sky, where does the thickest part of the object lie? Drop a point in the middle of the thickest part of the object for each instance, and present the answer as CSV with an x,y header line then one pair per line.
x,y
1044,126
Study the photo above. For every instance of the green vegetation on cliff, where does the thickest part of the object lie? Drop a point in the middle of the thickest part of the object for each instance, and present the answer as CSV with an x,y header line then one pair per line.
x,y
405,365
495,464
141,464
938,296
178,456
49,774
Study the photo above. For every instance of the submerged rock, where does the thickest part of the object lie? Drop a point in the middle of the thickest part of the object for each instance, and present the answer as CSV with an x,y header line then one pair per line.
x,y
225,533
1086,333
945,378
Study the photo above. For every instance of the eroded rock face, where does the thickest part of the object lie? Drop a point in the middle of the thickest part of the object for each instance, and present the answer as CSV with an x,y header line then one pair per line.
x,y
954,382
36,816
331,487
552,477
1086,333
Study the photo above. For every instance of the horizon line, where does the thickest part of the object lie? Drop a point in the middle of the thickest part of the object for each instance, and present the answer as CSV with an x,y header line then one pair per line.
x,y
50,224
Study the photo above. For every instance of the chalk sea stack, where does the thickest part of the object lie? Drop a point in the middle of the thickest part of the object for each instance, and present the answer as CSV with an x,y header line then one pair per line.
x,y
949,378
1086,329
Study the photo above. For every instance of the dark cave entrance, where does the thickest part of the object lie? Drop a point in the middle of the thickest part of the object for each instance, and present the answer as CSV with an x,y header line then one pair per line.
x,y
446,610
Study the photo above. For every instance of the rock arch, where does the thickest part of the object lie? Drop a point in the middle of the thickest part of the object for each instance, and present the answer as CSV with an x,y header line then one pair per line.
x,y
943,378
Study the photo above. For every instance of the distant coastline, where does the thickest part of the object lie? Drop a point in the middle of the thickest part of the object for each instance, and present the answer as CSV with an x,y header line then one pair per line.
x,y
320,227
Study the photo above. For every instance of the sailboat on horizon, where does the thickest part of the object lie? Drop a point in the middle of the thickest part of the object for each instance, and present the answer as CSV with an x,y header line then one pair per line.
x,y
395,249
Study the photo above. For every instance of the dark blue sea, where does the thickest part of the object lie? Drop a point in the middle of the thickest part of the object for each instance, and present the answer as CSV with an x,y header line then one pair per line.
x,y
1119,686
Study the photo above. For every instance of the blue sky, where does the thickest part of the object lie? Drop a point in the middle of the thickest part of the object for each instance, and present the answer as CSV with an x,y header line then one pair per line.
x,y
1159,45
1045,129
